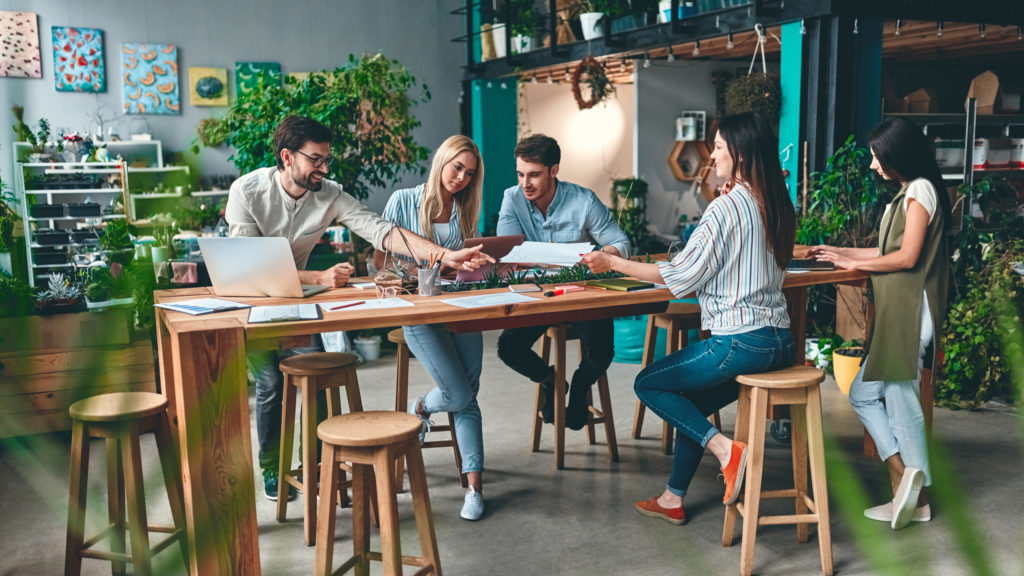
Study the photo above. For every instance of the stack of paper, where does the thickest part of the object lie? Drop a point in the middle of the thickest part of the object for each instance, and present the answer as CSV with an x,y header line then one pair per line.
x,y
548,253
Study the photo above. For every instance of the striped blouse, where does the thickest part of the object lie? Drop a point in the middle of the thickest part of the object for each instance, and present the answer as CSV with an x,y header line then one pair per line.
x,y
728,263
403,209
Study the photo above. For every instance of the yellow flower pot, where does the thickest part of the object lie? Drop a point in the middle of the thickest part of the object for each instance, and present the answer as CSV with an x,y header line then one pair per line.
x,y
846,367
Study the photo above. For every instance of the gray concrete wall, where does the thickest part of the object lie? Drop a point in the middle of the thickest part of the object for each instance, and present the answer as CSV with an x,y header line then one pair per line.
x,y
302,35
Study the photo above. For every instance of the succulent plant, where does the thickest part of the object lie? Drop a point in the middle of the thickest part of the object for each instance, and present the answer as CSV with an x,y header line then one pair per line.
x,y
59,290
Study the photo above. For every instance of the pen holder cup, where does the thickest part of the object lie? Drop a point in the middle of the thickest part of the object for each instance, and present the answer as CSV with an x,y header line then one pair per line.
x,y
428,278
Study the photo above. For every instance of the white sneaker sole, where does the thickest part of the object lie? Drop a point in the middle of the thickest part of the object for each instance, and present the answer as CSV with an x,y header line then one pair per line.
x,y
905,501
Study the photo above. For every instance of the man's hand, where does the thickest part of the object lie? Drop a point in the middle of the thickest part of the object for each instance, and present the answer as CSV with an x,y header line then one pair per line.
x,y
598,261
467,258
337,276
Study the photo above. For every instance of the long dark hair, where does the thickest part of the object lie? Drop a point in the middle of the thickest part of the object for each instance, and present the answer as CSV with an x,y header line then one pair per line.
x,y
755,153
904,153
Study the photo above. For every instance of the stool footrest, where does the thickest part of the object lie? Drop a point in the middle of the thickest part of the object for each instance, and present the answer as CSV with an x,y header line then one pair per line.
x,y
406,560
787,519
438,444
85,552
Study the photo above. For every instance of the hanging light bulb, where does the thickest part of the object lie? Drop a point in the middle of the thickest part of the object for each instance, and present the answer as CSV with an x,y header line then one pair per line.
x,y
981,31
696,48
729,45
568,76
550,79
940,28
671,56
899,26
533,79
647,61
490,84
1020,32
803,28
856,27
503,85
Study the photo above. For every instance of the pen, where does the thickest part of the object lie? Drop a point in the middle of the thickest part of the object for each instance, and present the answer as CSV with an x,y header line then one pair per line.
x,y
565,290
347,304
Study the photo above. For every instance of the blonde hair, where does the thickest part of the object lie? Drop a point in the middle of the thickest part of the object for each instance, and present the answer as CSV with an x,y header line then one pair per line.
x,y
467,199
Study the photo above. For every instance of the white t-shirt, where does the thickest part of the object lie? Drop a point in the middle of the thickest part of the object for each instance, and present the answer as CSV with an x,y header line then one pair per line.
x,y
922,191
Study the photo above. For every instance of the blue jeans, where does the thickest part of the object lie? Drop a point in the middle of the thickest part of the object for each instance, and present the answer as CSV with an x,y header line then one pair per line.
x,y
687,386
454,362
897,426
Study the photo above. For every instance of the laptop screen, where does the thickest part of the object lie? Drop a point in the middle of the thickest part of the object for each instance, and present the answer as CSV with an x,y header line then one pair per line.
x,y
261,266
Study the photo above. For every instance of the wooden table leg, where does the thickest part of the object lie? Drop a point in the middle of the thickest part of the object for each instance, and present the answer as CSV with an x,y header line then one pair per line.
x,y
216,452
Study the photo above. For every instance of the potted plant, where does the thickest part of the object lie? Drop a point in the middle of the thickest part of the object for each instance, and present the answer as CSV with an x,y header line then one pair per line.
x,y
116,242
754,93
525,22
367,345
38,140
61,295
846,361
367,104
16,297
629,209
8,218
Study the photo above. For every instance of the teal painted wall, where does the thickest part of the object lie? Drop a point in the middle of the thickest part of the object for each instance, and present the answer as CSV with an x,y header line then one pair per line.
x,y
868,98
495,133
791,69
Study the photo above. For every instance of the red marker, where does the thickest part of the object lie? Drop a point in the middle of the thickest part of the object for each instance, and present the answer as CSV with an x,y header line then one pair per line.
x,y
559,290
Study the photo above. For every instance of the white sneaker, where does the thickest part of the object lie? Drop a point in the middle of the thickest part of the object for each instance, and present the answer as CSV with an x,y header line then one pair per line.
x,y
905,501
427,422
473,508
883,513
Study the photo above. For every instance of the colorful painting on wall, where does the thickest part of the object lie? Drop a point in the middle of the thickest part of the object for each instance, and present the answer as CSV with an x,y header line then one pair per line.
x,y
19,45
78,60
150,78
207,86
247,74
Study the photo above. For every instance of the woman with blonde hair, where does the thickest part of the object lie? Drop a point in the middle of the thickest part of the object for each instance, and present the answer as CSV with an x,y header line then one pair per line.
x,y
446,209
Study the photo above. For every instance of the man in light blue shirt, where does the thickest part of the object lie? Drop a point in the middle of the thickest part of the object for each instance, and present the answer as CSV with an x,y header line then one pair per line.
x,y
545,209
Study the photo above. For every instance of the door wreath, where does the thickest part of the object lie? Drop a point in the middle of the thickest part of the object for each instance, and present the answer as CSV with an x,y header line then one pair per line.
x,y
592,73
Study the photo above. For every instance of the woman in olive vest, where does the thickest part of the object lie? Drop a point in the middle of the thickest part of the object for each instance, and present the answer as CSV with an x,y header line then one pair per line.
x,y
909,275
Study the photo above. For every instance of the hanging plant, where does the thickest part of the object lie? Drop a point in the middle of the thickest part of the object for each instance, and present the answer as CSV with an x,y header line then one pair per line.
x,y
592,73
754,93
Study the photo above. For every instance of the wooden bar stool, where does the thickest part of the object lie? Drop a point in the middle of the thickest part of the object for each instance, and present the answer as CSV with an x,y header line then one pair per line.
x,y
401,405
559,334
759,393
311,373
677,320
121,418
372,442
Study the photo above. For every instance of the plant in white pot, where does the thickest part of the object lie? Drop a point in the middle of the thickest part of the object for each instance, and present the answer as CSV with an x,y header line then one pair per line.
x,y
525,22
594,12
367,345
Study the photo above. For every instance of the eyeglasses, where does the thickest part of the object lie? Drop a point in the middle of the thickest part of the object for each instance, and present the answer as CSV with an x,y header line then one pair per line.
x,y
387,292
318,161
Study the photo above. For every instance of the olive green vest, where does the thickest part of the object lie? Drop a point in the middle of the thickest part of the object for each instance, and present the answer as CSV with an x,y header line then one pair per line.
x,y
896,331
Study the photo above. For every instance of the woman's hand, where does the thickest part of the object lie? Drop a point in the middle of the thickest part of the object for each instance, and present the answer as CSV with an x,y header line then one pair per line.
x,y
833,255
467,258
814,251
598,261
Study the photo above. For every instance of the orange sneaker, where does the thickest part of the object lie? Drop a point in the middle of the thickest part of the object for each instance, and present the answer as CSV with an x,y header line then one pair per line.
x,y
651,508
733,473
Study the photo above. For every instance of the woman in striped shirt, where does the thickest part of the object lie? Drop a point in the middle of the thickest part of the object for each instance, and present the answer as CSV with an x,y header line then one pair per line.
x,y
445,209
734,261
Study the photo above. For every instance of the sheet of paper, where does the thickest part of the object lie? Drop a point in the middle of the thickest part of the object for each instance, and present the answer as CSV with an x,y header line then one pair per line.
x,y
551,253
368,305
283,313
198,306
486,300
363,285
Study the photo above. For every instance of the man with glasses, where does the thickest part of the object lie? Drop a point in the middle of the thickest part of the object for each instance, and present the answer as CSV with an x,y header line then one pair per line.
x,y
294,200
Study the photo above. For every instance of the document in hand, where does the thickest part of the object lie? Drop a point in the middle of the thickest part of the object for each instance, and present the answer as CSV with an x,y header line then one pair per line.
x,y
199,306
287,313
550,253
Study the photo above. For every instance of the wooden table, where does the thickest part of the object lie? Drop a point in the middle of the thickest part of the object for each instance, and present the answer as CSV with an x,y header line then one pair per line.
x,y
203,374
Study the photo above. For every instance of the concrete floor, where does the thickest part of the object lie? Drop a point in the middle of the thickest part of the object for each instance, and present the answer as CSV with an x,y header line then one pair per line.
x,y
581,520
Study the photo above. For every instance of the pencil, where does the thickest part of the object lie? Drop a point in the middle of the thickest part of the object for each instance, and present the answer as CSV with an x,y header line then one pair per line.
x,y
347,304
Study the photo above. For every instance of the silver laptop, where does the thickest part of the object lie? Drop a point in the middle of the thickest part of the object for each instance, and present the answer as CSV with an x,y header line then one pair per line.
x,y
254,267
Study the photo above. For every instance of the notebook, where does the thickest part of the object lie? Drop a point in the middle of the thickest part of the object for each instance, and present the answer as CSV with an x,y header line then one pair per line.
x,y
620,284
261,266
809,264
495,247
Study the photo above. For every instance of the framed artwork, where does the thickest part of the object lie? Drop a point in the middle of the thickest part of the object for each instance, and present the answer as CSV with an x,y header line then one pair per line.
x,y
247,74
19,45
207,86
78,60
150,73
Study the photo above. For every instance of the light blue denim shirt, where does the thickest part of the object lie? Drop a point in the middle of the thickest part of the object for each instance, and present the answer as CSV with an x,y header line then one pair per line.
x,y
576,214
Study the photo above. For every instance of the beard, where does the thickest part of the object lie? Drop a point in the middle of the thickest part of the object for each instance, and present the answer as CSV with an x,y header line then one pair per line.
x,y
307,181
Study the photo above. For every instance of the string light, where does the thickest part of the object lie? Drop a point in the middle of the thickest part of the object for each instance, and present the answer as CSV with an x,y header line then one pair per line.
x,y
490,84
1020,32
981,31
533,79
671,56
729,45
856,27
940,28
568,76
899,26
647,61
550,79
503,85
803,28
696,48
